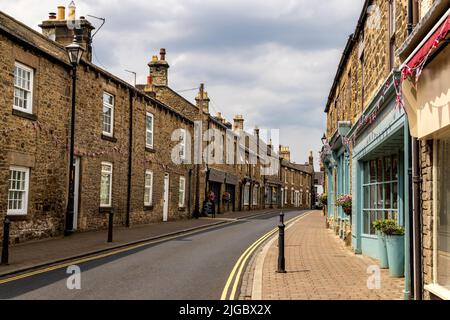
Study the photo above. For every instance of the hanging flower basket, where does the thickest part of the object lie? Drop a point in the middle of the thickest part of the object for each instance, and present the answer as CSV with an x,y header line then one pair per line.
x,y
323,198
345,201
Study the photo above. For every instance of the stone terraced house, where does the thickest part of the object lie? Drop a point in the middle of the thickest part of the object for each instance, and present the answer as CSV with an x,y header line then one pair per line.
x,y
124,139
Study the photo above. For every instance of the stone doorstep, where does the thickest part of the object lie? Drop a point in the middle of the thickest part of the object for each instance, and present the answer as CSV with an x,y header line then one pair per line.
x,y
124,245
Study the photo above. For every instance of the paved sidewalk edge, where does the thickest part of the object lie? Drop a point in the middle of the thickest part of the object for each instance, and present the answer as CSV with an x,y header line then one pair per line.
x,y
124,245
258,274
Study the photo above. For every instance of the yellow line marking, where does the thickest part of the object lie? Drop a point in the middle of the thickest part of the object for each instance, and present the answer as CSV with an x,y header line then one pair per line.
x,y
103,255
243,259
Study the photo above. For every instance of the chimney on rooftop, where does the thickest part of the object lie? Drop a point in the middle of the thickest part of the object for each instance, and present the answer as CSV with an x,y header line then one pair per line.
x,y
238,123
204,102
159,70
63,30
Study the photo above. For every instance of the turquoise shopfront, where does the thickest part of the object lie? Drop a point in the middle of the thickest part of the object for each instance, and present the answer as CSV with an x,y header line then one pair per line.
x,y
380,163
337,163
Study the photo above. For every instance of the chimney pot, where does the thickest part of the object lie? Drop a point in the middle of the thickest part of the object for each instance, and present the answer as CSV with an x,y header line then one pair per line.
x,y
72,9
162,53
52,16
61,13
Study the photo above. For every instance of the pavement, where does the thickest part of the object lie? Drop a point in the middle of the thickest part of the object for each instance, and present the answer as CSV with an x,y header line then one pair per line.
x,y
188,266
31,255
319,267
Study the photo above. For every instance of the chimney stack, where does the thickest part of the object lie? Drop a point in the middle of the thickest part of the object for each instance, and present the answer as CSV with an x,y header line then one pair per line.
x,y
285,153
238,123
311,158
63,29
159,69
205,101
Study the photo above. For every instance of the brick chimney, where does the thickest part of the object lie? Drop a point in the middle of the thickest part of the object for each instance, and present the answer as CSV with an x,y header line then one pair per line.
x,y
63,29
205,102
311,158
238,123
159,69
285,153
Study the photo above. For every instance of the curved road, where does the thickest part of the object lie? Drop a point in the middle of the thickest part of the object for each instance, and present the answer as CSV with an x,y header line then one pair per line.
x,y
190,267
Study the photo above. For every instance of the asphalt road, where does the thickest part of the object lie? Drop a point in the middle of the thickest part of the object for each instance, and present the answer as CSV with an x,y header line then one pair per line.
x,y
190,267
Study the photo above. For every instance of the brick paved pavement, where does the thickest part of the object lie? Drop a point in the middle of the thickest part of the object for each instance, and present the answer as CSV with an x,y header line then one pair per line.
x,y
320,267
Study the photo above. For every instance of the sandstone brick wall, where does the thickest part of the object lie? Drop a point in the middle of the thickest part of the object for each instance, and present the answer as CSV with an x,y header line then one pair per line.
x,y
426,171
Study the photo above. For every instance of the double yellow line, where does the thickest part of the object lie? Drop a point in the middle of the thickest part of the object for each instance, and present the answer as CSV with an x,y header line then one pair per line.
x,y
242,261
108,253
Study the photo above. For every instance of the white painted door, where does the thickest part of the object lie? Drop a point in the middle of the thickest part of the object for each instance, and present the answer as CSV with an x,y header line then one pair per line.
x,y
76,193
166,198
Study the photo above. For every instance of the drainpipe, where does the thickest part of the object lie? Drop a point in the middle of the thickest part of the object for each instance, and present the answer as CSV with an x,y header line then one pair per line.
x,y
416,222
130,159
416,266
407,212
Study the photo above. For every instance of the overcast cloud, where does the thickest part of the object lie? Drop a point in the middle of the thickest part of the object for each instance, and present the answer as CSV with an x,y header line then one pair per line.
x,y
272,61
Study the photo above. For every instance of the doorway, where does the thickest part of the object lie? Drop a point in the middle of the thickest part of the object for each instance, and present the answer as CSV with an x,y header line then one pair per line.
x,y
166,198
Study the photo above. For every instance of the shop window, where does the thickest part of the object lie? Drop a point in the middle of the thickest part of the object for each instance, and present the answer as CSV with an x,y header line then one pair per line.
x,y
380,191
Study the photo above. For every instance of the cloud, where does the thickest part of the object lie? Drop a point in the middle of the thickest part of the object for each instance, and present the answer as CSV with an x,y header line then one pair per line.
x,y
272,61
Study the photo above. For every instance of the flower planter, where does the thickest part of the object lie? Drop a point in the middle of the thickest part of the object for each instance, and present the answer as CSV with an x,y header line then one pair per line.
x,y
382,250
396,255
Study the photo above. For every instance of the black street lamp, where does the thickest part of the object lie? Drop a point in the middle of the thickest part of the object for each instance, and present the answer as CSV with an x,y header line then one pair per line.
x,y
324,139
75,52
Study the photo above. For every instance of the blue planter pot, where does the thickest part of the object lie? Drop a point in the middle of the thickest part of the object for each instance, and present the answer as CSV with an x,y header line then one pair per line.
x,y
396,255
382,251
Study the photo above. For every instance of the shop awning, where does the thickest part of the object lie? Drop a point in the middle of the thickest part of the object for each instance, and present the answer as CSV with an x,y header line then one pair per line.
x,y
419,57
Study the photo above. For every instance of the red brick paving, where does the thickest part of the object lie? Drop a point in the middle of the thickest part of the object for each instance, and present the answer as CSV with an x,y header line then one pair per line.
x,y
320,267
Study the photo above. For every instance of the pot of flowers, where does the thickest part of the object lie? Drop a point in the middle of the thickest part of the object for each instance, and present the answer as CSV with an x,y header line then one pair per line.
x,y
382,249
345,201
395,244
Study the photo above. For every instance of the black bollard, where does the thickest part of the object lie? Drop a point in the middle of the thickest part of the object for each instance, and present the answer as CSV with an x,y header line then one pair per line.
x,y
281,258
5,245
110,226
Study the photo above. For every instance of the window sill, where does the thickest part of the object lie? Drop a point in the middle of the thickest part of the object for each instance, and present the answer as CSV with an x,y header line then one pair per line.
x,y
17,217
438,291
105,210
151,150
26,115
148,208
108,138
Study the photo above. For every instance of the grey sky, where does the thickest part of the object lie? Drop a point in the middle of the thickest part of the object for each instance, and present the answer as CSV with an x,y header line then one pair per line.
x,y
272,61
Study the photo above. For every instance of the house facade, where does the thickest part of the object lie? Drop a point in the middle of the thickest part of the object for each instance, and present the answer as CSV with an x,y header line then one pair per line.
x,y
425,69
123,140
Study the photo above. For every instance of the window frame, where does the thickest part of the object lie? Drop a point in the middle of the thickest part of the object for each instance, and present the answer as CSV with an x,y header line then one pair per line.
x,y
29,108
111,107
26,191
152,130
111,165
393,213
435,288
148,188
182,191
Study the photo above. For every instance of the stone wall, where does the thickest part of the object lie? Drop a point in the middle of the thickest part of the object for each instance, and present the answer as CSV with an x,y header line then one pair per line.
x,y
426,171
37,141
